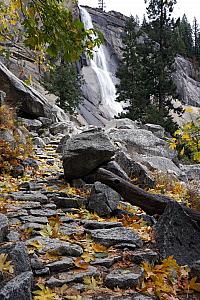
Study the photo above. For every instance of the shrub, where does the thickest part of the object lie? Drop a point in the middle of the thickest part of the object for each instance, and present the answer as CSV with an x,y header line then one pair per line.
x,y
185,193
187,141
15,144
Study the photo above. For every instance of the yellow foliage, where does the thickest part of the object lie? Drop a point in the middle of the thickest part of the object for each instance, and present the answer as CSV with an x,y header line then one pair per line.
x,y
44,293
193,285
46,231
164,279
187,141
35,245
5,265
91,283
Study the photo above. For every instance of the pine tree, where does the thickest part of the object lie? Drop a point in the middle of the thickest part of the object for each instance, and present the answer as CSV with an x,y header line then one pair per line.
x,y
186,36
134,74
196,34
65,83
148,63
161,26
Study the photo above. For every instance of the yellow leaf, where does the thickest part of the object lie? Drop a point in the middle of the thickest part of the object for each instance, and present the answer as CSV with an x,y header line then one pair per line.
x,y
91,283
37,245
193,285
87,257
172,145
196,156
148,269
46,231
182,151
189,110
5,266
186,136
44,293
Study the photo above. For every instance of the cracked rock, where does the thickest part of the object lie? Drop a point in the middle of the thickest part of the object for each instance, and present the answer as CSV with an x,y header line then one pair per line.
x,y
124,278
61,265
66,278
114,236
3,227
30,197
17,253
19,288
90,224
147,255
106,262
60,247
103,200
69,202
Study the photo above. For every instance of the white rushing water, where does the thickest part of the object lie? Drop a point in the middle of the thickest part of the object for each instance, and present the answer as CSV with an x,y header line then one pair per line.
x,y
109,106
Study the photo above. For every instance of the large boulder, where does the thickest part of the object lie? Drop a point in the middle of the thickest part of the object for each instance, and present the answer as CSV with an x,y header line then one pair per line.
x,y
32,125
61,127
134,169
103,200
158,130
29,101
163,164
178,235
141,141
19,288
124,123
85,152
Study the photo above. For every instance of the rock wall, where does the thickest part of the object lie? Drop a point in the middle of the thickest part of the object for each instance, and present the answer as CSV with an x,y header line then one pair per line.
x,y
112,26
187,79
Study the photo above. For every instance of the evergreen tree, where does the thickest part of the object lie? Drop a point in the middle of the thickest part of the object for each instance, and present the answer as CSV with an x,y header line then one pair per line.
x,y
148,63
196,35
64,82
185,30
160,31
134,73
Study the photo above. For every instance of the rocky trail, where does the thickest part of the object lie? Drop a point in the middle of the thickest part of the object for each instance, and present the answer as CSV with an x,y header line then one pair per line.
x,y
52,247
69,248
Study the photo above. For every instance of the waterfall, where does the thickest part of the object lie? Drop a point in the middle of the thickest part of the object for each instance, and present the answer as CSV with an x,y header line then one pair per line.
x,y
108,105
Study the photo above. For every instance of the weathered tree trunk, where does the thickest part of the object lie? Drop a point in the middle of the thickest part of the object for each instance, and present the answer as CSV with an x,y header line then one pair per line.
x,y
151,203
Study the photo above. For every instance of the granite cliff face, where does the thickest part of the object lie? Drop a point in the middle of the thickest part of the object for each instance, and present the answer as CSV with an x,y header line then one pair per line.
x,y
187,79
106,60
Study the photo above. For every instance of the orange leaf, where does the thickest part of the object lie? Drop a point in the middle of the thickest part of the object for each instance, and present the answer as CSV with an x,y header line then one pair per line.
x,y
80,263
193,285
99,248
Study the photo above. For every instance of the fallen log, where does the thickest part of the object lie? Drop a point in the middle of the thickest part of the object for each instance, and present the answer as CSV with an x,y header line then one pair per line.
x,y
152,204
